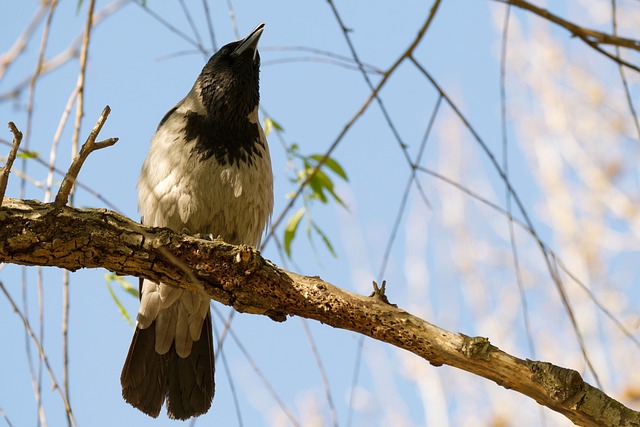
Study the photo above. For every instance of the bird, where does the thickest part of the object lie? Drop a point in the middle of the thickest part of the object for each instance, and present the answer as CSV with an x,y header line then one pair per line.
x,y
208,172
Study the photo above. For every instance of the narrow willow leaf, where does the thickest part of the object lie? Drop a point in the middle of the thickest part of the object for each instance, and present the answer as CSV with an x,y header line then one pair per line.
x,y
317,188
325,239
331,164
28,155
123,311
276,125
126,286
290,230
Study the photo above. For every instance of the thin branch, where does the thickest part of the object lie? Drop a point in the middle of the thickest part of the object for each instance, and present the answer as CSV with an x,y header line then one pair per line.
x,y
611,56
192,25
53,151
220,351
80,88
505,167
232,18
5,417
623,76
323,373
324,53
259,373
212,36
59,172
32,84
21,42
72,51
586,34
4,176
317,60
169,26
356,377
87,148
54,383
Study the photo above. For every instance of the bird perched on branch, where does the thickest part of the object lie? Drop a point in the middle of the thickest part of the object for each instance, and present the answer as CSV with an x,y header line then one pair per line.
x,y
208,171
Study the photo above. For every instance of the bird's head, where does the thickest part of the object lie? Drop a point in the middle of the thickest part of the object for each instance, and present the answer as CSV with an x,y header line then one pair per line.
x,y
230,80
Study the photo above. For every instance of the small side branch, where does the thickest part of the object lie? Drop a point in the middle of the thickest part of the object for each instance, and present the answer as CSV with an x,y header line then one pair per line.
x,y
4,175
87,148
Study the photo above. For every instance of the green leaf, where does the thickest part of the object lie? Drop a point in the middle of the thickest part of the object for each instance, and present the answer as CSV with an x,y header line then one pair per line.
x,y
317,188
324,180
28,155
126,286
331,164
290,230
325,239
123,311
268,126
271,125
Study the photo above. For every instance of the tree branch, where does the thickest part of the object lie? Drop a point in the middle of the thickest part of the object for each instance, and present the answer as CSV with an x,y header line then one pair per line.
x,y
33,233
588,35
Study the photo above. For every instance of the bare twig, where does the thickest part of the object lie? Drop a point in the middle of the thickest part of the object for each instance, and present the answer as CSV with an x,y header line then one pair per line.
x,y
39,184
323,373
623,77
20,44
319,60
36,381
54,383
584,33
323,53
232,386
72,51
87,148
258,372
212,36
168,25
5,417
80,88
616,58
53,151
591,38
4,176
32,84
232,18
194,28
505,166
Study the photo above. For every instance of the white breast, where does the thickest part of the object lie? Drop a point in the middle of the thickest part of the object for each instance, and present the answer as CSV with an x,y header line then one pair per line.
x,y
177,189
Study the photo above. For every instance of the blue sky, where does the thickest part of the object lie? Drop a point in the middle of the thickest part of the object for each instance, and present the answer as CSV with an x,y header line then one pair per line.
x,y
141,69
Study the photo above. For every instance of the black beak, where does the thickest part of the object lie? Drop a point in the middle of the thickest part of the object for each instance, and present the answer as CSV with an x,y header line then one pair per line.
x,y
250,42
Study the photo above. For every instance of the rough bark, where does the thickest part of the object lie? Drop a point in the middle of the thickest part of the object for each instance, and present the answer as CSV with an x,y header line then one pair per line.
x,y
32,233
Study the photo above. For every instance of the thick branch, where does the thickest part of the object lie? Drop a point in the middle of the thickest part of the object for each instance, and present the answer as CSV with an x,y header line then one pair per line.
x,y
32,233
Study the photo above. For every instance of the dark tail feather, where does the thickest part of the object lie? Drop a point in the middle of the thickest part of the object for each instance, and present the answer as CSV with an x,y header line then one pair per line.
x,y
148,378
191,385
144,375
